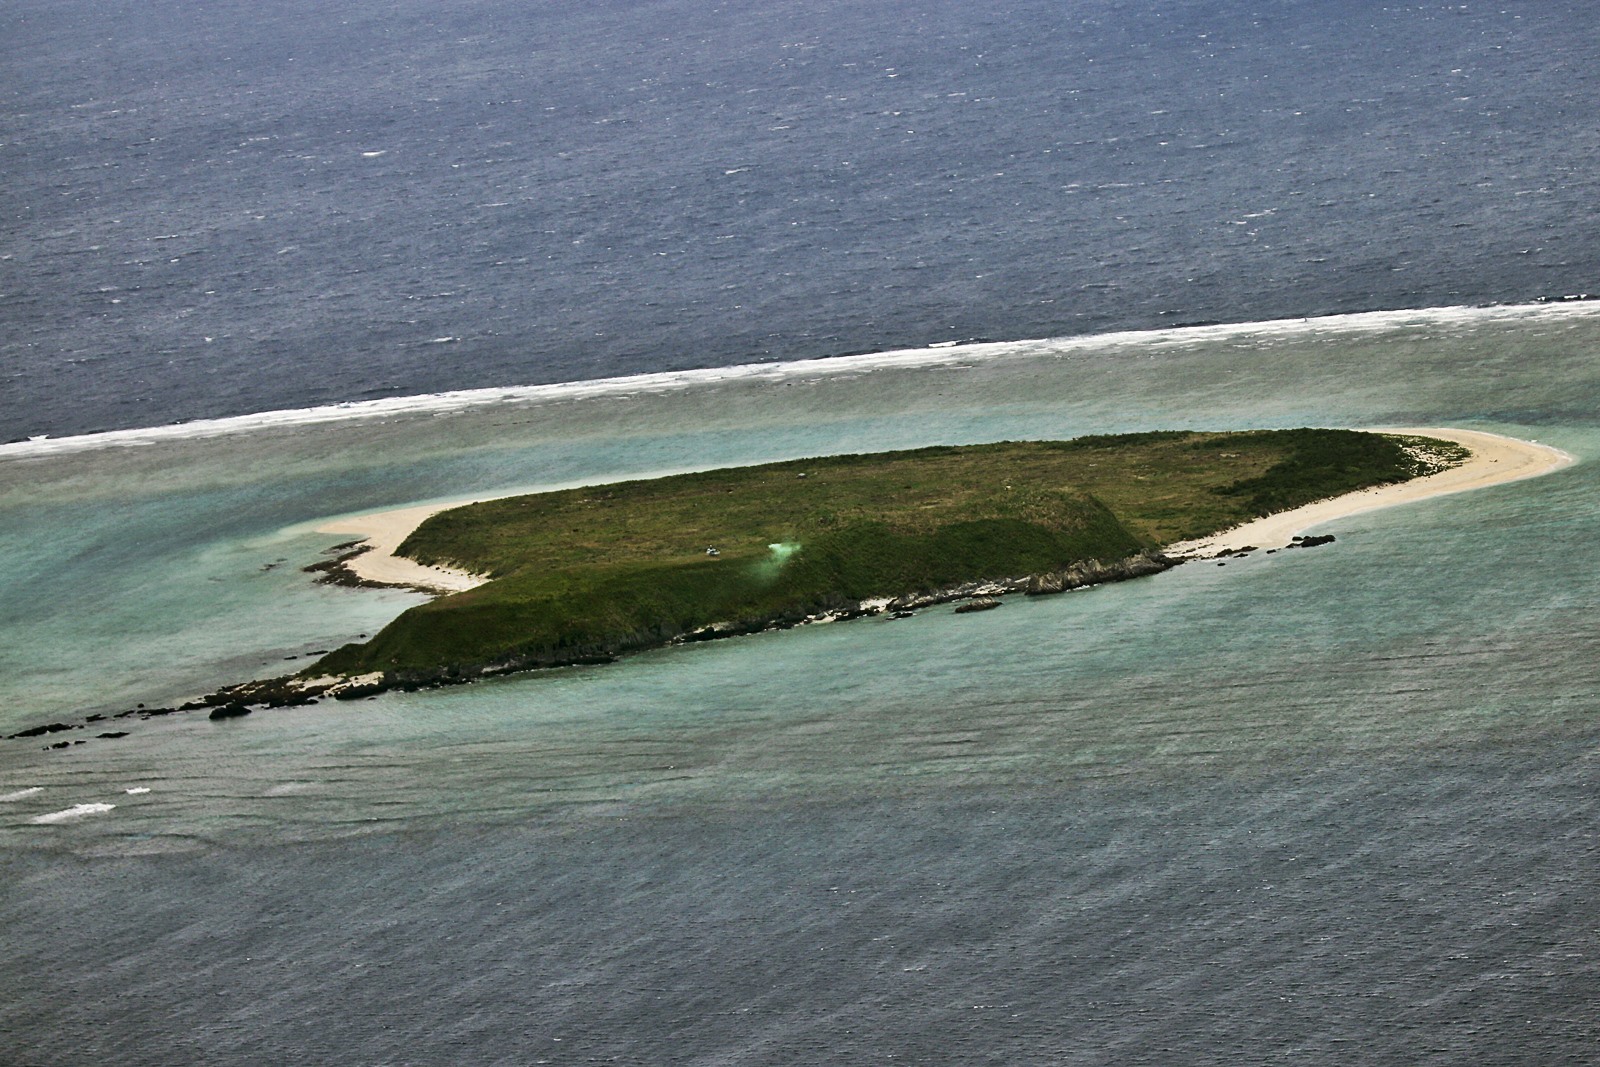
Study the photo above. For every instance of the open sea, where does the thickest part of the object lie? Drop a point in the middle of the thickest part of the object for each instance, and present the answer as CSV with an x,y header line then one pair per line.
x,y
265,264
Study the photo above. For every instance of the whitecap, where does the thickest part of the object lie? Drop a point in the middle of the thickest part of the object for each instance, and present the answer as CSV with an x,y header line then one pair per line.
x,y
137,790
77,811
818,368
19,794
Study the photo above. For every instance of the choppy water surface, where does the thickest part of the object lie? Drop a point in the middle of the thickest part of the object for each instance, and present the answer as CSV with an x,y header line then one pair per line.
x,y
1332,806
1327,807
219,209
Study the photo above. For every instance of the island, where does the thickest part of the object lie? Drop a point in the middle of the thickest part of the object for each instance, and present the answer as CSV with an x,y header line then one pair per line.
x,y
582,576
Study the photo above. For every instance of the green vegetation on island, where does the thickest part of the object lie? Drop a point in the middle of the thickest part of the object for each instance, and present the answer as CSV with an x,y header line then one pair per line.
x,y
586,574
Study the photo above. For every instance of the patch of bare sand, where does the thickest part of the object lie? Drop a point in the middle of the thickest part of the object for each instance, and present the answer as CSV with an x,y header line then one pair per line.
x,y
1495,459
383,533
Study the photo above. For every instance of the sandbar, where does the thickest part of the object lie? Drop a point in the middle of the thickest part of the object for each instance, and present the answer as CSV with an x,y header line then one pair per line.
x,y
1495,459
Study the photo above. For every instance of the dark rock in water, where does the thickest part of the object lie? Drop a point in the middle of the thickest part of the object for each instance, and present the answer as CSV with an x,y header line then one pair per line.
x,y
356,692
724,629
60,744
145,712
113,733
1311,542
229,711
984,604
336,571
48,728
853,613
901,614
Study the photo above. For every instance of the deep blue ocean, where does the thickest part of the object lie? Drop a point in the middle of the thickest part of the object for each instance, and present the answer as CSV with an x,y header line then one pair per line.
x,y
1332,807
240,206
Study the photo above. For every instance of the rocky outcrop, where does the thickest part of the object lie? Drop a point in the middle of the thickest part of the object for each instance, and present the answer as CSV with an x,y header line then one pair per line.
x,y
336,569
965,591
1094,572
240,700
40,731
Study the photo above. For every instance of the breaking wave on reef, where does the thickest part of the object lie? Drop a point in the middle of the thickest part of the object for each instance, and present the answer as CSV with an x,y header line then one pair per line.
x,y
941,355
77,811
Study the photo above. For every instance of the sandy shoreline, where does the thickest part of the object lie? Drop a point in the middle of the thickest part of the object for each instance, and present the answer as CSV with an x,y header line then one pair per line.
x,y
1495,459
383,532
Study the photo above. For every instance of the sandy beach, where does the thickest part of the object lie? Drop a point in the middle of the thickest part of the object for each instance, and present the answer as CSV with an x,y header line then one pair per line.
x,y
1495,459
383,531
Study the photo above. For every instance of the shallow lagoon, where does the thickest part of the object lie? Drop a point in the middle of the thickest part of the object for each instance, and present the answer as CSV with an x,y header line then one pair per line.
x,y
1300,803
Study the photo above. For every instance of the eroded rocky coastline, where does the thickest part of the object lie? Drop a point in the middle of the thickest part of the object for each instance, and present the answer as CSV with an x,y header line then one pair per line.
x,y
236,701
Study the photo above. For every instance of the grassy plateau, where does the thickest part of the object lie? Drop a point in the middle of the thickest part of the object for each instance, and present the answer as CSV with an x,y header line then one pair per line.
x,y
585,574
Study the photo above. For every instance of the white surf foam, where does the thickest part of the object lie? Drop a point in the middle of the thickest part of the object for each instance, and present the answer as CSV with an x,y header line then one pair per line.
x,y
19,794
815,369
77,811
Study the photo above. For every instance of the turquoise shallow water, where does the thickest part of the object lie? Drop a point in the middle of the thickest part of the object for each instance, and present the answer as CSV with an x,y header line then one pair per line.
x,y
143,572
1349,789
1422,626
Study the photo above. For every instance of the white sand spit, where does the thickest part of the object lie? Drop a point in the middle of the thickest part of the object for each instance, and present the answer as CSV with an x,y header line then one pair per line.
x,y
1495,459
383,532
